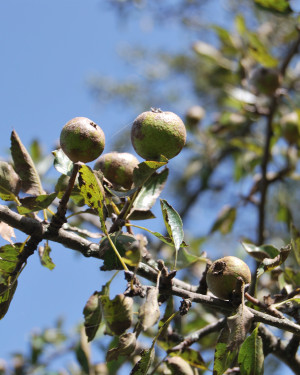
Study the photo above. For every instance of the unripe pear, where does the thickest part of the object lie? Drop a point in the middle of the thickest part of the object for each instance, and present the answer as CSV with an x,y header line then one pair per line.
x,y
155,133
117,167
194,116
222,276
265,80
290,127
82,140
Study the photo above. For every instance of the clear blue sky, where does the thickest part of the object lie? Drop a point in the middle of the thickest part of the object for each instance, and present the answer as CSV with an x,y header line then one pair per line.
x,y
49,50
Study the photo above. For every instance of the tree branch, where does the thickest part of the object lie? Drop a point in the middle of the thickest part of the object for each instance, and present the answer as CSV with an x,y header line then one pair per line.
x,y
179,288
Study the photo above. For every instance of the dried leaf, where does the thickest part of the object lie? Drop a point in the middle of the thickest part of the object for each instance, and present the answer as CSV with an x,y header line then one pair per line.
x,y
25,167
7,232
149,312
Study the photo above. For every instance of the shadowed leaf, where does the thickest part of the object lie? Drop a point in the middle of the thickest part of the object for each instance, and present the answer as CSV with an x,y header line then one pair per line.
x,y
125,347
10,182
145,169
44,254
143,365
92,315
38,203
225,220
149,312
25,167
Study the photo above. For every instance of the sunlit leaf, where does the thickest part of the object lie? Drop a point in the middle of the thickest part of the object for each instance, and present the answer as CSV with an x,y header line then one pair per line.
x,y
62,163
173,223
92,192
150,191
224,357
269,264
6,296
280,6
251,355
145,169
25,167
44,254
261,252
37,203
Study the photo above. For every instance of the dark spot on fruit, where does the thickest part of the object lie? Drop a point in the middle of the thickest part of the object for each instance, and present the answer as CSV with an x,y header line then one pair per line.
x,y
89,195
218,268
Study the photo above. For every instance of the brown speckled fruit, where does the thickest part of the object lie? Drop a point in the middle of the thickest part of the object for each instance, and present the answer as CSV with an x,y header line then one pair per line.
x,y
155,133
82,140
222,275
117,167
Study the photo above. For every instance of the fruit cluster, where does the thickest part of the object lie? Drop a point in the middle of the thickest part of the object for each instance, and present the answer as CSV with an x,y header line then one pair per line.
x,y
154,134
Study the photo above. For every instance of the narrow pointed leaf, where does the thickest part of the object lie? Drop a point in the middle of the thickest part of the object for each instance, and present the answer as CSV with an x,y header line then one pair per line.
x,y
280,6
6,296
92,192
38,203
251,355
173,223
25,167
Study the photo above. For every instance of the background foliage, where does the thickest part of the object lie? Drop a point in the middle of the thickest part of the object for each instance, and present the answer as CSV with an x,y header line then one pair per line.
x,y
236,181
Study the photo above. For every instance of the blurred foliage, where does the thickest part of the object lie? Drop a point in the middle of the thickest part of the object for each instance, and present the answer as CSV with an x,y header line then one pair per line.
x,y
237,179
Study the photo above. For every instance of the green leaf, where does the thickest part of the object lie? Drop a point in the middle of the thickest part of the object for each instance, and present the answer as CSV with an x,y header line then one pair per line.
x,y
280,6
145,169
10,182
259,52
62,163
225,220
117,313
141,215
143,365
44,253
6,296
82,352
173,223
92,192
38,203
186,259
122,242
150,191
9,256
224,357
25,167
251,355
261,252
191,356
92,315
269,264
